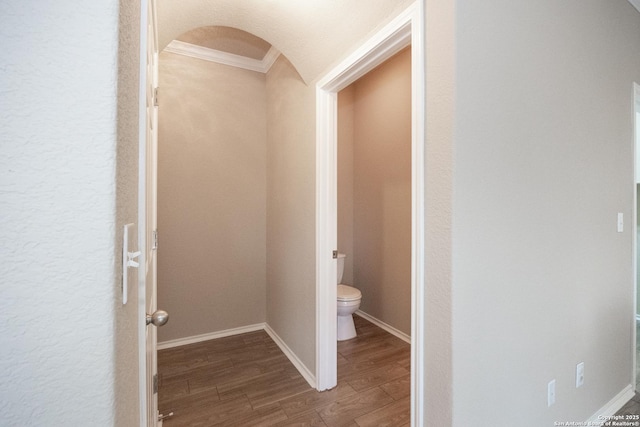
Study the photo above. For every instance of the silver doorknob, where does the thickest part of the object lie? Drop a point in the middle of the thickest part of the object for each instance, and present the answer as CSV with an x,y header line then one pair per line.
x,y
159,318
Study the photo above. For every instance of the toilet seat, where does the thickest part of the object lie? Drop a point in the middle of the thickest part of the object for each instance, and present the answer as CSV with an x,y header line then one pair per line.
x,y
348,293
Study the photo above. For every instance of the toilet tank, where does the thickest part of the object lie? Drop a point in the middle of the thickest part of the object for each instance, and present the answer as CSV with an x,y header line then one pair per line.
x,y
340,269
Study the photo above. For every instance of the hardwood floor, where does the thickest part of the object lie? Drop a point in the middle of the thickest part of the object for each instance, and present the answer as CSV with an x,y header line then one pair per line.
x,y
245,380
632,407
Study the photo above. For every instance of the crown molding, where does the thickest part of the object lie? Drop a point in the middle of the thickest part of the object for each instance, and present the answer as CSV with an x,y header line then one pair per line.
x,y
225,58
270,58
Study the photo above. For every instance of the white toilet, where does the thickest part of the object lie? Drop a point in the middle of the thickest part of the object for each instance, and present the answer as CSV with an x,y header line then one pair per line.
x,y
348,302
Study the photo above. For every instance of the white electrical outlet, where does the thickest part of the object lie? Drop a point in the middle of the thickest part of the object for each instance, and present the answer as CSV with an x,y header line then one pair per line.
x,y
551,392
580,374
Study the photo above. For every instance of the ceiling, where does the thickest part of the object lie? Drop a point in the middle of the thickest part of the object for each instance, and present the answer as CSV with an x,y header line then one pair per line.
x,y
312,34
229,40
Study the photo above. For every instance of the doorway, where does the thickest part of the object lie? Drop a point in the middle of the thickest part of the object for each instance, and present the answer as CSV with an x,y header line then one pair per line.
x,y
407,29
374,193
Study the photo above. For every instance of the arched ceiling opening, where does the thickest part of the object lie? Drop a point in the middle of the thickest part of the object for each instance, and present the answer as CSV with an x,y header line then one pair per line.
x,y
229,40
312,34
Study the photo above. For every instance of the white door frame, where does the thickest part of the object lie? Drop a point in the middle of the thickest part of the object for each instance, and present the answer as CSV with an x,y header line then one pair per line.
x,y
142,212
147,182
634,227
407,28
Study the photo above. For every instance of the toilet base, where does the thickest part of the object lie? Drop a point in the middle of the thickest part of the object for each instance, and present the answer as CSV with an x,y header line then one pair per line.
x,y
346,328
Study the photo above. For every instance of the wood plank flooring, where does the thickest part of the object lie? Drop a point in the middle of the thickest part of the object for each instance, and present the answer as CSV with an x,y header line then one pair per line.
x,y
632,407
245,380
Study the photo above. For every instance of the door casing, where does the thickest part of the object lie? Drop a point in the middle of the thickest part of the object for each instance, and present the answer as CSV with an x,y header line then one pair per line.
x,y
634,227
406,29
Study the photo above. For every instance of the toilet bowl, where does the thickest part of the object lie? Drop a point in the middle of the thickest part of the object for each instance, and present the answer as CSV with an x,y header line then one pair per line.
x,y
348,302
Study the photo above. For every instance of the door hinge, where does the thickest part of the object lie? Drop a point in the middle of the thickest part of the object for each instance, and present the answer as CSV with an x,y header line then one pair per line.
x,y
155,240
164,417
155,384
155,97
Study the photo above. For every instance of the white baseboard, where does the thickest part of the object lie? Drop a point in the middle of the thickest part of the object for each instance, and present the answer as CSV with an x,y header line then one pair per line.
x,y
393,331
612,406
210,336
306,374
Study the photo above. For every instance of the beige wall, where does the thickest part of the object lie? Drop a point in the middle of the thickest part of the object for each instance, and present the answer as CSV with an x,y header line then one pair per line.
x,y
291,285
543,164
345,179
262,215
211,197
380,187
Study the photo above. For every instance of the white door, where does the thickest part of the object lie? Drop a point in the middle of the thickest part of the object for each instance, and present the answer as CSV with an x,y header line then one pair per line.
x,y
149,150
